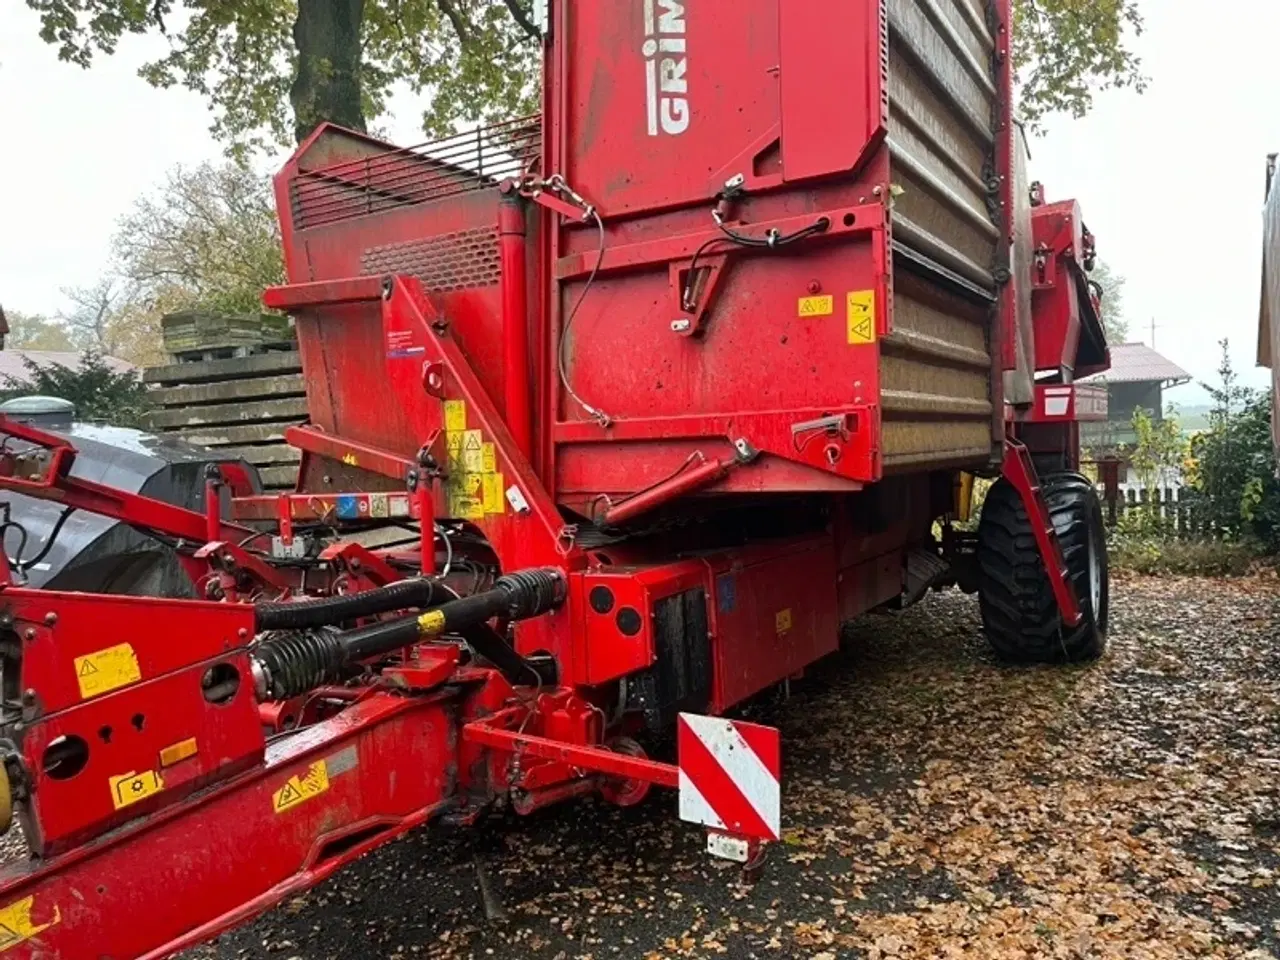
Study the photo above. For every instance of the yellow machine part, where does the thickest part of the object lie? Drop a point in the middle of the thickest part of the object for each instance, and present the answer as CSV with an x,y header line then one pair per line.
x,y
6,801
964,498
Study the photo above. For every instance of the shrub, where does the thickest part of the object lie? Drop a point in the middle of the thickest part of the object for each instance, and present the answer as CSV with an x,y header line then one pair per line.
x,y
98,392
1169,557
1231,469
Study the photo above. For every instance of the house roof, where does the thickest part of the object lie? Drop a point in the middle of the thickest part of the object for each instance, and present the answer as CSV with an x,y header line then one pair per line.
x,y
12,366
1138,363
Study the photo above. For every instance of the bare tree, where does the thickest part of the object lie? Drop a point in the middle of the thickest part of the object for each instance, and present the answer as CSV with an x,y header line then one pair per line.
x,y
93,309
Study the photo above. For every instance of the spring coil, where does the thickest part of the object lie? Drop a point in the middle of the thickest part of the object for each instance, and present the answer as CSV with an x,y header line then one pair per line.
x,y
531,592
297,662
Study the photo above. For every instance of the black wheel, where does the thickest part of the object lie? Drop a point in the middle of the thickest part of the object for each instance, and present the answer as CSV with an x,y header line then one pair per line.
x,y
1019,612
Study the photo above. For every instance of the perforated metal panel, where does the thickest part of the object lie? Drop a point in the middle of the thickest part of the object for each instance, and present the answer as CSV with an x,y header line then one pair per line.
x,y
452,261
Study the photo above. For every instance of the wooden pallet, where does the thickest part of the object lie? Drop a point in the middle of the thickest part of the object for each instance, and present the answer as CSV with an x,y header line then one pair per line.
x,y
195,336
239,406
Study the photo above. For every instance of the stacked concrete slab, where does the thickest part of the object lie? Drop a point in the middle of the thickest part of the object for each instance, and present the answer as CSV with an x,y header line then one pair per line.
x,y
235,384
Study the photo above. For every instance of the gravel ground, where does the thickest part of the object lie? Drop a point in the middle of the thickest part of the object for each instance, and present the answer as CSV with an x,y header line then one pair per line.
x,y
936,804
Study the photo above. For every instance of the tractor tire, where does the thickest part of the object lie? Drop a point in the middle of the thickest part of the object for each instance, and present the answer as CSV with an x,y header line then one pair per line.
x,y
1019,612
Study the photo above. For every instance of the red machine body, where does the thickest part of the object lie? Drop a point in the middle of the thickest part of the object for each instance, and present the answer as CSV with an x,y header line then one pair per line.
x,y
665,384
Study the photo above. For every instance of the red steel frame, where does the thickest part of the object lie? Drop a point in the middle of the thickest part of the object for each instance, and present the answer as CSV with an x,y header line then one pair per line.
x,y
463,418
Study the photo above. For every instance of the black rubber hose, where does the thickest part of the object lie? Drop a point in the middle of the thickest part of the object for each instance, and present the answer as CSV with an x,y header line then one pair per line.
x,y
326,611
292,663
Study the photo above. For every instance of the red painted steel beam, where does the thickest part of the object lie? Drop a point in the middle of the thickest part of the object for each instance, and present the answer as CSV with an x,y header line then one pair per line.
x,y
593,759
297,296
516,380
321,507
1019,469
199,868
350,452
844,221
57,485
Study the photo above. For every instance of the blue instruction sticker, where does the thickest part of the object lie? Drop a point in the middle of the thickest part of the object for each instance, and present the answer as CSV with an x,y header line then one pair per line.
x,y
726,593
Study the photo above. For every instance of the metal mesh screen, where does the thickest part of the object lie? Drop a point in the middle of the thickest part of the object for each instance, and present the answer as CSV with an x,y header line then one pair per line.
x,y
404,177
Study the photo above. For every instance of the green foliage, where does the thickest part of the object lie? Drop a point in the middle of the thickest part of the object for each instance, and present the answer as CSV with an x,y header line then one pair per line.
x,y
1232,468
1232,497
478,58
1160,447
98,392
32,332
207,238
1162,556
1064,51
1111,283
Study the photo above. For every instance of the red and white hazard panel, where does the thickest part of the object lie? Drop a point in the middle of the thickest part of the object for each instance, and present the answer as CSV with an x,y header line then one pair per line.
x,y
729,777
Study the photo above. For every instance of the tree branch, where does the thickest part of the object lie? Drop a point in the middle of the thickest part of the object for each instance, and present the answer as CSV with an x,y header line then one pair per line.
x,y
521,17
459,23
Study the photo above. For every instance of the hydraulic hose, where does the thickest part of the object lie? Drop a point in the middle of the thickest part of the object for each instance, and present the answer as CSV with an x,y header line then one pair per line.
x,y
325,611
291,664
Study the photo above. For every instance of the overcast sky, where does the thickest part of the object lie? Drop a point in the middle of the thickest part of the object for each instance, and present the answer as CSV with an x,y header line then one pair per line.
x,y
1171,181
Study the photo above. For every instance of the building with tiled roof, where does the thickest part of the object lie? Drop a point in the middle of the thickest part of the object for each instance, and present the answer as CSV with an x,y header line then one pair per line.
x,y
1136,380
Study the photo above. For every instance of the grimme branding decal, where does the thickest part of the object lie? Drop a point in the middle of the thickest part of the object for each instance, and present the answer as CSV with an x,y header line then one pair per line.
x,y
666,67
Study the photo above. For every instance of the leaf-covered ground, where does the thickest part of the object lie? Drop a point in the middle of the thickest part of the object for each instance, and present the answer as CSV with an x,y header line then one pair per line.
x,y
937,804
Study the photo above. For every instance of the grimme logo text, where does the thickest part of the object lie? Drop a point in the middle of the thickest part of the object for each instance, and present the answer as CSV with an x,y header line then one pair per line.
x,y
666,67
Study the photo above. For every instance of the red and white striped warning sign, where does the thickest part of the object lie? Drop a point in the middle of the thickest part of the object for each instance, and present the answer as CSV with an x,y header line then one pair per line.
x,y
729,772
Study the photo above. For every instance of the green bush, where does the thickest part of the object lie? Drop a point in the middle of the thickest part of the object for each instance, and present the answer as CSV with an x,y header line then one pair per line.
x,y
1231,469
1170,557
98,392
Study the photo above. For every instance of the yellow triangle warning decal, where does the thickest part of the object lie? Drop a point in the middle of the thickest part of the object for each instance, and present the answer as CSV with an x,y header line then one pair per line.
x,y
86,668
299,789
287,796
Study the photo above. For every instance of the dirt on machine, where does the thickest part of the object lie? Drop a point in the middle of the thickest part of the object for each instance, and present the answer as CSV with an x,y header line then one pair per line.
x,y
616,413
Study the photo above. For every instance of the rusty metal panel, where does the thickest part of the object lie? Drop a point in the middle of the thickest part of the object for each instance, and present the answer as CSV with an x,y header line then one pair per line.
x,y
1019,383
942,115
935,377
936,365
1269,319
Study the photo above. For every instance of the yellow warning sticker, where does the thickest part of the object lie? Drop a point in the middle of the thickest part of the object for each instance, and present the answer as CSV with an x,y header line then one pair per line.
x,y
466,496
490,457
177,752
431,623
107,669
299,789
350,460
16,925
782,620
129,788
455,416
494,499
862,316
473,451
817,306
453,445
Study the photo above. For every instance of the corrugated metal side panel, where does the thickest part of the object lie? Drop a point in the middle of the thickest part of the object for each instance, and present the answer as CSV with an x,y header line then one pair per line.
x,y
943,108
935,378
1269,319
